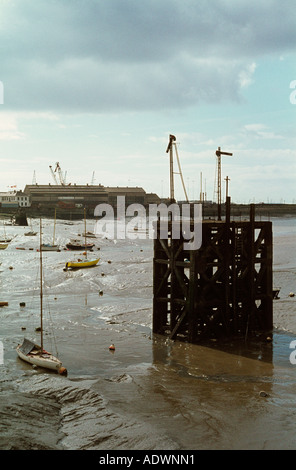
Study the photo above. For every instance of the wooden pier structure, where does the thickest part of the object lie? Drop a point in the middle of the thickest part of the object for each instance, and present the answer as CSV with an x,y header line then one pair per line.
x,y
221,290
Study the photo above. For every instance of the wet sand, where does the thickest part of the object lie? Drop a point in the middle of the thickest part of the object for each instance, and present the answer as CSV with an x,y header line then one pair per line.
x,y
150,393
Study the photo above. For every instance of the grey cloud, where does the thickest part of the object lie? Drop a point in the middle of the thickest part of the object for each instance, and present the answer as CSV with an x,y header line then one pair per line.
x,y
98,55
88,85
133,31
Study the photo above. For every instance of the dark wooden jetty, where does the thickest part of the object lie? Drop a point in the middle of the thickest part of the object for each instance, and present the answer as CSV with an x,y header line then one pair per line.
x,y
221,290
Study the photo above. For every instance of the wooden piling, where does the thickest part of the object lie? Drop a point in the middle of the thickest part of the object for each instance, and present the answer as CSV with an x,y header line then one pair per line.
x,y
222,290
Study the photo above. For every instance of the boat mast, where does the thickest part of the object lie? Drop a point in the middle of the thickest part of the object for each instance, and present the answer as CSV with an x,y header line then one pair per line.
x,y
55,214
85,233
41,291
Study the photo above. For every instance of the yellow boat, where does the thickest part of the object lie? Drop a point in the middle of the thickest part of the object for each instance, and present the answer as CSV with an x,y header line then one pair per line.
x,y
81,263
85,263
3,246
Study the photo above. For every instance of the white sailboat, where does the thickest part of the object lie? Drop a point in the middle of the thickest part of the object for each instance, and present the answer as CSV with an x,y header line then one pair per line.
x,y
5,239
36,354
51,246
31,233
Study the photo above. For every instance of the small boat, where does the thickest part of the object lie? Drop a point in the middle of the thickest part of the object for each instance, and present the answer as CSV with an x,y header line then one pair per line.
x,y
275,292
81,263
30,234
3,246
89,235
79,245
75,244
49,247
31,352
34,354
85,263
5,239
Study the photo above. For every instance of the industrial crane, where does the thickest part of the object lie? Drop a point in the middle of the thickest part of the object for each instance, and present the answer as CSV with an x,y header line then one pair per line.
x,y
218,154
172,144
93,179
53,175
61,177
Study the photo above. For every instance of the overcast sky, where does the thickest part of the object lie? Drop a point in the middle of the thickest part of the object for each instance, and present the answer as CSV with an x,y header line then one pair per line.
x,y
98,85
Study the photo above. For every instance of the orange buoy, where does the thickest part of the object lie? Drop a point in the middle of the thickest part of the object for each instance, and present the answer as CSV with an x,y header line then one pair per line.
x,y
63,371
112,347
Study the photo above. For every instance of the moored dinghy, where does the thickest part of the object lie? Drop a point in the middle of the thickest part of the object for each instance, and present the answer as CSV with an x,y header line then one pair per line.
x,y
79,245
5,239
85,263
51,246
31,352
81,263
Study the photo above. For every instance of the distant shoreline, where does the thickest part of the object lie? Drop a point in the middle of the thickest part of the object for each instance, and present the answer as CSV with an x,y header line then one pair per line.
x,y
209,210
261,210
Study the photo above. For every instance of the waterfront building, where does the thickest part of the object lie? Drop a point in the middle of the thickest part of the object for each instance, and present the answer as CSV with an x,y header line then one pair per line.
x,y
74,196
14,199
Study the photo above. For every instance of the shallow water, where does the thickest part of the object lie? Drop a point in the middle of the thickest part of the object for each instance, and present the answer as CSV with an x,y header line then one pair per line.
x,y
150,393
